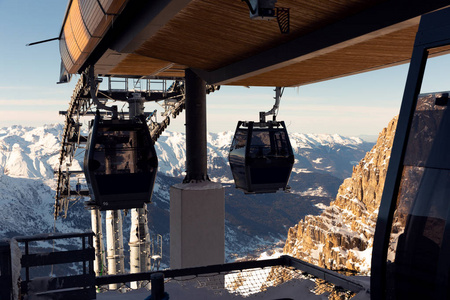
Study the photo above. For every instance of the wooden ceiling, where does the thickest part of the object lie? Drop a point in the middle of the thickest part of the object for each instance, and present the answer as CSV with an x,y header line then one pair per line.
x,y
209,34
219,41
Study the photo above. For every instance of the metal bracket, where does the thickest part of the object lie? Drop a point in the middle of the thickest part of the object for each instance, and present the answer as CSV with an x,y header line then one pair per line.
x,y
266,10
283,19
94,85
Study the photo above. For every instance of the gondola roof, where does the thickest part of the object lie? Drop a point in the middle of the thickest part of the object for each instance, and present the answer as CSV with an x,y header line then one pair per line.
x,y
222,44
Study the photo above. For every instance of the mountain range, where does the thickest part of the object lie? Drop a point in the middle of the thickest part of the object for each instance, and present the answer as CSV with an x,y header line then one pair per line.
x,y
341,237
29,156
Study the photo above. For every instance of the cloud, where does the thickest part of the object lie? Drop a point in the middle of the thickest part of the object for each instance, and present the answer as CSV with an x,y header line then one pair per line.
x,y
14,88
33,102
29,117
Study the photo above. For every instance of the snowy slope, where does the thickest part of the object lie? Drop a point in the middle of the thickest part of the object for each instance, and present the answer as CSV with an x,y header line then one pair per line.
x,y
333,154
29,155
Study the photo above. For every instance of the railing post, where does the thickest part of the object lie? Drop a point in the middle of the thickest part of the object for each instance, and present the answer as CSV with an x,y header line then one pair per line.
x,y
83,242
5,270
27,269
157,280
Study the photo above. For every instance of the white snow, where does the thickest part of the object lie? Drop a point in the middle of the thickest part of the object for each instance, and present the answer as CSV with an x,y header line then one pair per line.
x,y
300,170
314,140
317,160
29,155
171,151
364,259
317,191
321,206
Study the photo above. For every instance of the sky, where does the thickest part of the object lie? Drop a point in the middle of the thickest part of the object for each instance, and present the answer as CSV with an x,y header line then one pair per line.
x,y
351,106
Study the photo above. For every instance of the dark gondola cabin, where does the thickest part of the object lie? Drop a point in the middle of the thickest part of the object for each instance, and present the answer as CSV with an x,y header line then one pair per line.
x,y
120,164
261,157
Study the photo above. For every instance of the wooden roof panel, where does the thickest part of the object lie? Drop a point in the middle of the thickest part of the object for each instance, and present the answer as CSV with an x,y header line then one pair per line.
x,y
347,61
137,65
208,34
219,40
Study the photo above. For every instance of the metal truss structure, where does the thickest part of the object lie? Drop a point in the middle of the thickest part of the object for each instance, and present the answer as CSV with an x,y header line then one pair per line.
x,y
86,99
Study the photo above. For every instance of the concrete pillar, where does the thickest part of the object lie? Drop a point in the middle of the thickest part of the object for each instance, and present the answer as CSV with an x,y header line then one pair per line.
x,y
197,206
197,224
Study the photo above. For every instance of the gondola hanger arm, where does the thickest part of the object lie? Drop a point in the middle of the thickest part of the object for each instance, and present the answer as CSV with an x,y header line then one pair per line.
x,y
94,85
274,111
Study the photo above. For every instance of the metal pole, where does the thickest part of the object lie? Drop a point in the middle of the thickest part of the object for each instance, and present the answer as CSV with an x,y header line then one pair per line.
x,y
139,235
378,279
114,241
196,149
157,280
6,281
139,243
96,222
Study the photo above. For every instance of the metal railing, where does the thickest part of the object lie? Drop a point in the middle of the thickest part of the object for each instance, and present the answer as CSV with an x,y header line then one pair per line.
x,y
80,286
286,263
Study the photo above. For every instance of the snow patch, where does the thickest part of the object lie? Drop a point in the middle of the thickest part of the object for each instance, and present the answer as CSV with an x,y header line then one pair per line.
x,y
318,160
321,206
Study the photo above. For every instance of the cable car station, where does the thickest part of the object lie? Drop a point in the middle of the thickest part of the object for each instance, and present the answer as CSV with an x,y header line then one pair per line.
x,y
198,45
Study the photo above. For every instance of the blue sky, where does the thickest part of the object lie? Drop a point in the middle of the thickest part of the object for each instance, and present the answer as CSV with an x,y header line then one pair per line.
x,y
355,105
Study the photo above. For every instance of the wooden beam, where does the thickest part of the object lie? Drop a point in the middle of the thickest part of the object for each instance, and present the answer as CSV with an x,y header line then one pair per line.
x,y
379,20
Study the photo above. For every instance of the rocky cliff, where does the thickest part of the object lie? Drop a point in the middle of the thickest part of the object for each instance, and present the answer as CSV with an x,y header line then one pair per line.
x,y
341,238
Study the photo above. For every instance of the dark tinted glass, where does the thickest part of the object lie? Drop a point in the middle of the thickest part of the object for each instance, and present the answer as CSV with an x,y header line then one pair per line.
x,y
417,252
281,147
424,148
260,143
122,152
239,140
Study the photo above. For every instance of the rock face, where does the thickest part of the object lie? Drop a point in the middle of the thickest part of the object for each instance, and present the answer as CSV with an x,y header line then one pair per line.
x,y
341,238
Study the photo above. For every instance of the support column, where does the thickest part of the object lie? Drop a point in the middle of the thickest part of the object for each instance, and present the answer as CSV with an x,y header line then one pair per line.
x,y
139,243
114,242
139,235
197,206
196,146
99,262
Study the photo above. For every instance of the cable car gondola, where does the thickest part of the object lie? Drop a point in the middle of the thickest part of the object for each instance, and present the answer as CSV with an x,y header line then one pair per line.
x,y
261,156
120,164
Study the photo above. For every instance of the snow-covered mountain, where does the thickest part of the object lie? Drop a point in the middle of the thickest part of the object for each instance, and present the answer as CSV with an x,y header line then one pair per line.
x,y
29,155
334,154
341,237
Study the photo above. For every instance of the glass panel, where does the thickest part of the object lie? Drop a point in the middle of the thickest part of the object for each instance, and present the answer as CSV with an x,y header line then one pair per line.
x,y
239,140
260,143
418,230
423,200
281,147
237,158
122,152
427,122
